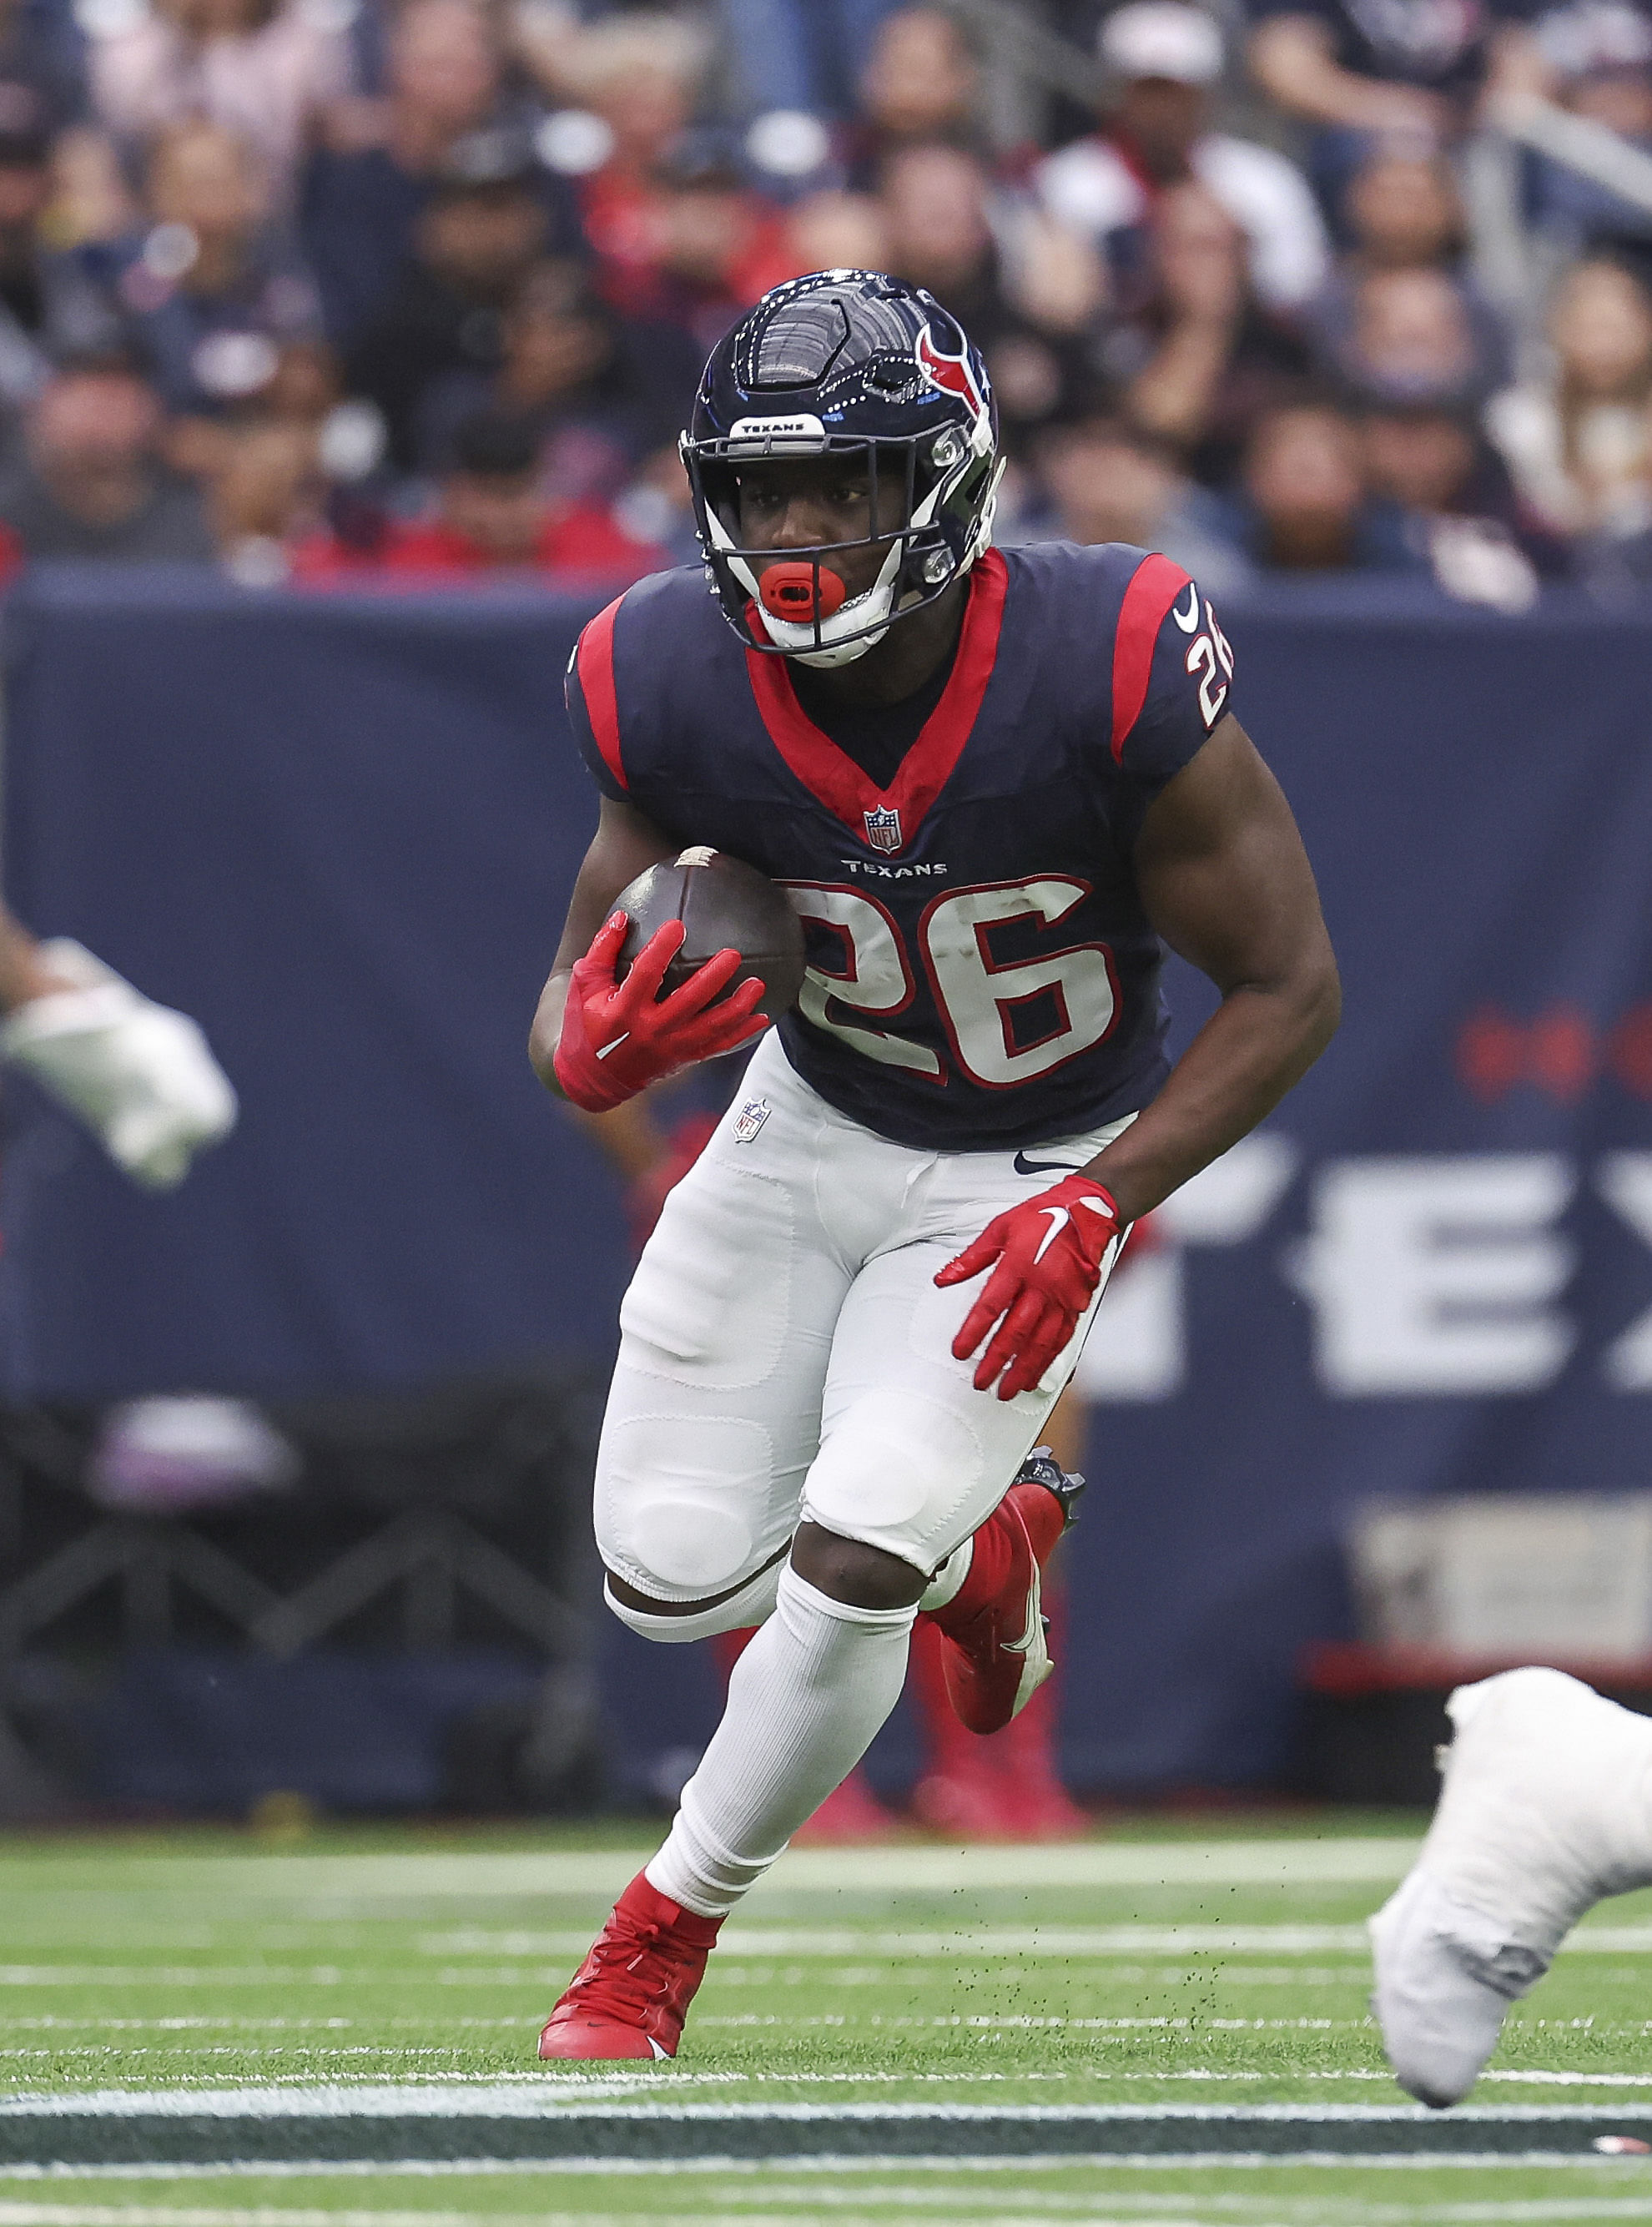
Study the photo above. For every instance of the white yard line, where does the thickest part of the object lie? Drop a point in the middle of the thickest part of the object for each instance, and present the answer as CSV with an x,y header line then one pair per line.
x,y
1020,1943
528,2096
1152,2162
1281,1940
391,1877
816,2203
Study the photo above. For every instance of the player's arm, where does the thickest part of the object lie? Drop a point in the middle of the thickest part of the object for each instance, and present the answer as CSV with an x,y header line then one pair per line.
x,y
597,1039
140,1076
25,971
1225,880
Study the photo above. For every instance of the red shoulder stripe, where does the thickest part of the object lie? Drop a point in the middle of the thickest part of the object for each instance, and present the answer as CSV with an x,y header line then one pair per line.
x,y
1154,586
595,662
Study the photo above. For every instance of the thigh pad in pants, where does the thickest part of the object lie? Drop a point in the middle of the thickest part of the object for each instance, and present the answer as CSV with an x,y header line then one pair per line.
x,y
714,1413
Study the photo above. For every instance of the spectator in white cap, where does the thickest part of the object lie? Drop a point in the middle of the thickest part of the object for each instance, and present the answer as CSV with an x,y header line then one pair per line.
x,y
1596,58
1166,59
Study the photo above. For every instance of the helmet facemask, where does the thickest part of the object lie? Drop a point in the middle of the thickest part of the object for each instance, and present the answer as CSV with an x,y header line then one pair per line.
x,y
928,513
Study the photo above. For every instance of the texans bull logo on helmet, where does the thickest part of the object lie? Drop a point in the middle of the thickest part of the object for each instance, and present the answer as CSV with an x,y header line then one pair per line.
x,y
951,374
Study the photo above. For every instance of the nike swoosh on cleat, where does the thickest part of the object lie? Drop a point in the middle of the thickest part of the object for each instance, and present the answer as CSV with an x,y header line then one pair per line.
x,y
1024,1166
1032,1644
1035,1619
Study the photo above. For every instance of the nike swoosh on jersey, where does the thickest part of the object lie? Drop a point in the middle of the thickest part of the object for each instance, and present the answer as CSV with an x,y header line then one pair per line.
x,y
1191,620
1024,1166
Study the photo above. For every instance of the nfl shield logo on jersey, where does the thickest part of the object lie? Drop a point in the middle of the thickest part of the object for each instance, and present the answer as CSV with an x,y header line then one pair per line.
x,y
883,828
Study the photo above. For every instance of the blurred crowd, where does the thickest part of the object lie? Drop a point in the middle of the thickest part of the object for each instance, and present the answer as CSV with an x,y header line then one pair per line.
x,y
326,290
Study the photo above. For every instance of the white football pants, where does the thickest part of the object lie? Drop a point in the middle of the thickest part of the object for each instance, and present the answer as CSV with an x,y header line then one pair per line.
x,y
785,1354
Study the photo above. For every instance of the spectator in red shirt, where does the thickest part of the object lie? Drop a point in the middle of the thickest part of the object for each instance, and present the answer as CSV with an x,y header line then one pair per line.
x,y
493,517
722,244
642,78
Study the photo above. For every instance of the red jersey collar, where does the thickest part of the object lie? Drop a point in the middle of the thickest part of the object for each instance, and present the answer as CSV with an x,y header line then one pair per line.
x,y
832,776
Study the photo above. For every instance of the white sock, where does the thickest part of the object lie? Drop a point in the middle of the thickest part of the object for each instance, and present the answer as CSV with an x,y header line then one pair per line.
x,y
806,1701
949,1580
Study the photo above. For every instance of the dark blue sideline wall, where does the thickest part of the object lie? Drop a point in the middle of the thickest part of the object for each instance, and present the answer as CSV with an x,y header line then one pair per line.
x,y
341,832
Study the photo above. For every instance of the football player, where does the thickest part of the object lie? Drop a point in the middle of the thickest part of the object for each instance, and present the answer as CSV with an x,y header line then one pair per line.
x,y
1545,1808
995,784
139,1075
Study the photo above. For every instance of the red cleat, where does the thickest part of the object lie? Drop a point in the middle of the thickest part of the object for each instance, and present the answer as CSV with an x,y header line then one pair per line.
x,y
996,1657
631,1995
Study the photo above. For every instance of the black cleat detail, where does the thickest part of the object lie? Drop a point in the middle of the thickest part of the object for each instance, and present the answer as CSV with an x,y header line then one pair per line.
x,y
1041,1467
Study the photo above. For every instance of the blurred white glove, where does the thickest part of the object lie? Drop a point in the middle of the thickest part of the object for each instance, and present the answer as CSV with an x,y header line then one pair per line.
x,y
139,1075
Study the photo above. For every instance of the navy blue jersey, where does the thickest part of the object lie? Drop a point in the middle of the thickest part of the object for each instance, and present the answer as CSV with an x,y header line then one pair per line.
x,y
981,973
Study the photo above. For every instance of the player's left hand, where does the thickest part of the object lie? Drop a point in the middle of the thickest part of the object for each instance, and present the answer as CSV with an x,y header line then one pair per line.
x,y
1048,1252
140,1076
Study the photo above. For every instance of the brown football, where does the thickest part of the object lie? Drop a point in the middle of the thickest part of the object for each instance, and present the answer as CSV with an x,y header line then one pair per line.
x,y
724,904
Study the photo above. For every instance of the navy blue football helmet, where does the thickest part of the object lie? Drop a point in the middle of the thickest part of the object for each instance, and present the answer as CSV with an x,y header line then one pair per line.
x,y
855,364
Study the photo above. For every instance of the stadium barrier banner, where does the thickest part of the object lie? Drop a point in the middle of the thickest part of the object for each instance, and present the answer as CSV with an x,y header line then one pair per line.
x,y
340,831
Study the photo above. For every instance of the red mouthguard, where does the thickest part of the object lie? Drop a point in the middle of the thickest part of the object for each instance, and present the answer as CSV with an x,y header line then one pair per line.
x,y
790,591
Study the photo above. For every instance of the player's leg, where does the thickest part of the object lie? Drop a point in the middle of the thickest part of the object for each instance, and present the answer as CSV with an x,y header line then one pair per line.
x,y
1547,1806
713,1410
712,1419
912,1461
852,1816
985,1597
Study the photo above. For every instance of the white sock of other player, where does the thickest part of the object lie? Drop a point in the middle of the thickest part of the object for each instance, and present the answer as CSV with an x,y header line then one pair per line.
x,y
1547,1806
806,1700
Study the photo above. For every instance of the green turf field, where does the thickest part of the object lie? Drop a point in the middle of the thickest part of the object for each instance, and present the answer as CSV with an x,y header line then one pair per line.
x,y
1222,1967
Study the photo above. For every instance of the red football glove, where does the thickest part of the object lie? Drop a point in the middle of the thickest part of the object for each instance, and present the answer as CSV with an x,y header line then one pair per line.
x,y
616,1039
1048,1252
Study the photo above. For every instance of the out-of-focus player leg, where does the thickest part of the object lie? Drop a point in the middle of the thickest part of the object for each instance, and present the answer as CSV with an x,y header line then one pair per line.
x,y
1547,1806
140,1075
1004,1787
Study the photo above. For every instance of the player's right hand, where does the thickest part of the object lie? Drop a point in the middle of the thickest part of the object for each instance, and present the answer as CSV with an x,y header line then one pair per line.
x,y
617,1038
1045,1255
